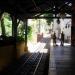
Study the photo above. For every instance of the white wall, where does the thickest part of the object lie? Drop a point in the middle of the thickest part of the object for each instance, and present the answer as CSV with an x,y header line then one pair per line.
x,y
61,27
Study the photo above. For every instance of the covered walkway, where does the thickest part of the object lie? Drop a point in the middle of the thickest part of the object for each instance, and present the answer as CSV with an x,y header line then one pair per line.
x,y
58,60
33,63
62,60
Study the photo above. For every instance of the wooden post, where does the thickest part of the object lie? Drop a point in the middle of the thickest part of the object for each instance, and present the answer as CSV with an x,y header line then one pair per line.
x,y
73,30
14,34
26,27
73,27
2,25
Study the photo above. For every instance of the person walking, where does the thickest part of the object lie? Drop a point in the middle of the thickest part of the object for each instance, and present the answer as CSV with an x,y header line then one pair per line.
x,y
54,38
62,38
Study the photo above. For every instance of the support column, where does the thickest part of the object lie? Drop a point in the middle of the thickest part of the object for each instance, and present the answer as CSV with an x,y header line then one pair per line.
x,y
26,28
14,26
73,27
73,31
2,27
14,34
39,25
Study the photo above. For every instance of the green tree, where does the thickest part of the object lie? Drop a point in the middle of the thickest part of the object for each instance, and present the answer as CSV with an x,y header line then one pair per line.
x,y
3,27
29,32
21,31
6,25
49,20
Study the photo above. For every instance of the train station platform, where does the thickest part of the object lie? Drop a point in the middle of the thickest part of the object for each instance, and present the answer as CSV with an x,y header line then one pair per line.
x,y
34,62
62,61
59,60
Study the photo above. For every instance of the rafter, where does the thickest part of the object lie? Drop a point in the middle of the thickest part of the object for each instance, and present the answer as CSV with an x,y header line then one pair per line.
x,y
29,8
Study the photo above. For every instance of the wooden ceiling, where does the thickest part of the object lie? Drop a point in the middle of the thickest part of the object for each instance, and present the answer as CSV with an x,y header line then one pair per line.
x,y
29,8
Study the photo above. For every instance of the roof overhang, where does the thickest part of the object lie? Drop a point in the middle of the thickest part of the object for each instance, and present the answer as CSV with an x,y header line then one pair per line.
x,y
29,8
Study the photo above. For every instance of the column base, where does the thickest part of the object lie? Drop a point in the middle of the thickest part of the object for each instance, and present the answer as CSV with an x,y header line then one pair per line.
x,y
26,48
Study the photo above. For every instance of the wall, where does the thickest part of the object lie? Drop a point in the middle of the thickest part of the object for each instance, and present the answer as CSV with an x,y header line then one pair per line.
x,y
61,27
20,49
5,56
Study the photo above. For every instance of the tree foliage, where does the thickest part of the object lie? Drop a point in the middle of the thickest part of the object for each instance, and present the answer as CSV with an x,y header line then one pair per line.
x,y
6,25
49,20
29,32
21,31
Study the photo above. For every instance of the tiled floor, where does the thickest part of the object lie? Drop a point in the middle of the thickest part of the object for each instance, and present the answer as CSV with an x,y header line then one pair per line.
x,y
62,61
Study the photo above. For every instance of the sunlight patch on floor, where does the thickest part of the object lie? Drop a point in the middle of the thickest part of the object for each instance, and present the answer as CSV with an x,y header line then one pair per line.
x,y
39,47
